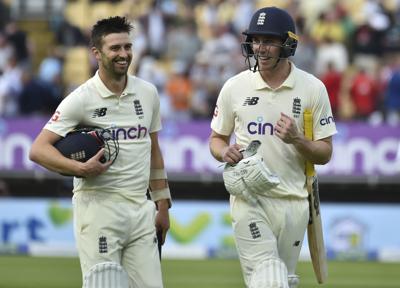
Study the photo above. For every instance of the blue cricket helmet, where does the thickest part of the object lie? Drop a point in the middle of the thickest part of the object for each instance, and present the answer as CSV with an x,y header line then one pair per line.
x,y
272,21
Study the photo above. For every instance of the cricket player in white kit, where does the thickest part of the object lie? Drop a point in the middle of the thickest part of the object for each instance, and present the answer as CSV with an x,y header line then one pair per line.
x,y
266,103
115,223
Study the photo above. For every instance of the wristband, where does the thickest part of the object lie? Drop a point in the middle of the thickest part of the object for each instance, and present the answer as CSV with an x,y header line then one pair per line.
x,y
158,174
161,194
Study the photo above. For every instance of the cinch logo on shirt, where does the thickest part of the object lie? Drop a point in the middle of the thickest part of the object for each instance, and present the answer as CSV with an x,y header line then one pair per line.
x,y
129,133
326,121
260,127
251,101
99,112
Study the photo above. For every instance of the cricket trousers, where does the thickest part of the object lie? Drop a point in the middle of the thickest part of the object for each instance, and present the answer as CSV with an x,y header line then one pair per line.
x,y
272,229
111,228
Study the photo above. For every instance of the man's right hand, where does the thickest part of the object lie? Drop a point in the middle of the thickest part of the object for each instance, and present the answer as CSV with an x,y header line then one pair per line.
x,y
231,154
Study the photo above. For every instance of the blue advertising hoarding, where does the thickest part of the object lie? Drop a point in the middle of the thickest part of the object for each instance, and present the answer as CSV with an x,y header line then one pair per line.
x,y
201,229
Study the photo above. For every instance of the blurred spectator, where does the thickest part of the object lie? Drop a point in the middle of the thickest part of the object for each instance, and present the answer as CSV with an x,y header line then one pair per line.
x,y
179,88
205,86
37,97
330,52
392,98
4,14
332,79
392,36
306,49
50,72
10,88
368,41
68,35
18,39
243,10
154,26
328,26
5,52
204,37
183,42
363,92
50,68
149,69
206,18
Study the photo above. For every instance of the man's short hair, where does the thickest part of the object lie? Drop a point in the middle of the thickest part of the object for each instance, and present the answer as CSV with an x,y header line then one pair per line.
x,y
107,26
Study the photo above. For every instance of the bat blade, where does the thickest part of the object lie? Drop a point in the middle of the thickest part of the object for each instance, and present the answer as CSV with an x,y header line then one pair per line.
x,y
314,229
314,232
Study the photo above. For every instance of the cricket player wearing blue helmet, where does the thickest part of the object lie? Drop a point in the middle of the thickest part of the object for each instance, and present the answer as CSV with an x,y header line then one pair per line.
x,y
275,22
265,104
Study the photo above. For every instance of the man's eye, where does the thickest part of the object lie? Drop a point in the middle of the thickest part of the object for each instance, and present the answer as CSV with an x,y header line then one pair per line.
x,y
262,42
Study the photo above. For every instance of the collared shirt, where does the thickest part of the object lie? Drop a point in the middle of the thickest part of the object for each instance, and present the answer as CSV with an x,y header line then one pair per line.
x,y
249,108
131,117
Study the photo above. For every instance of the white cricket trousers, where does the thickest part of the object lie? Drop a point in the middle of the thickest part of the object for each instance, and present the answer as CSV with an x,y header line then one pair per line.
x,y
272,229
108,227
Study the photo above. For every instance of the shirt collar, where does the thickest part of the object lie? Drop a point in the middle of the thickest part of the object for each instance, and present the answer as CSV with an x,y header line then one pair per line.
x,y
260,84
105,92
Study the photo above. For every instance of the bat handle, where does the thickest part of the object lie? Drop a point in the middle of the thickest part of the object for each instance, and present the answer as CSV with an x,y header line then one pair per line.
x,y
159,243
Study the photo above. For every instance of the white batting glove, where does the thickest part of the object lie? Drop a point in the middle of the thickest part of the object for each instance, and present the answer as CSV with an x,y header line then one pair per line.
x,y
236,186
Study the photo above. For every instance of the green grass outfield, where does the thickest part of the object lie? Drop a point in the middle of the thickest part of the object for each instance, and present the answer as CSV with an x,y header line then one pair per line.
x,y
35,272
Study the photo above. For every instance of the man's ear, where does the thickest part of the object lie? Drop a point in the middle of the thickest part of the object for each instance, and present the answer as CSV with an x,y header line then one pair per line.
x,y
96,53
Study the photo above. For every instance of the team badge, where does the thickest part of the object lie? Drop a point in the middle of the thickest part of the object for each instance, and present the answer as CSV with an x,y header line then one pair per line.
x,y
254,230
296,109
103,245
138,108
261,18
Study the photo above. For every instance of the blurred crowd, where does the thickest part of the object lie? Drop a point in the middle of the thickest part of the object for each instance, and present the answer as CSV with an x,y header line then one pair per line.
x,y
189,48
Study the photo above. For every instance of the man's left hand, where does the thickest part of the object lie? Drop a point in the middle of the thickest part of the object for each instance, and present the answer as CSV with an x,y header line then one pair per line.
x,y
162,218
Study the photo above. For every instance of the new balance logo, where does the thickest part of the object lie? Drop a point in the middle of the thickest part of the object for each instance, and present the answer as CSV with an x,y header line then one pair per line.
x,y
255,232
251,101
103,245
99,112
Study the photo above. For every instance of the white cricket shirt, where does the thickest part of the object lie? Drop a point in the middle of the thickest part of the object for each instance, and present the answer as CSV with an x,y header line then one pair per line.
x,y
250,109
133,115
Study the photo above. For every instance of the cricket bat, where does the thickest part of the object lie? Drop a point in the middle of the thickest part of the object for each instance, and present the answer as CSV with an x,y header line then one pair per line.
x,y
314,229
159,241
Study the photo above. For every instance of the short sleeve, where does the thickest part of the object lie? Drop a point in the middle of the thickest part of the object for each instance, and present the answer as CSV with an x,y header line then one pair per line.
x,y
324,123
156,117
223,119
67,115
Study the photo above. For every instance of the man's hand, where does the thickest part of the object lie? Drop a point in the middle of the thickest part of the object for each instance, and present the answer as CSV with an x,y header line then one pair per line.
x,y
231,154
162,219
93,167
286,129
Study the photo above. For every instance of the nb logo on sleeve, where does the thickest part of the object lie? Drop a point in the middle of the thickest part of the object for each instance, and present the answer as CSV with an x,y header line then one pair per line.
x,y
251,101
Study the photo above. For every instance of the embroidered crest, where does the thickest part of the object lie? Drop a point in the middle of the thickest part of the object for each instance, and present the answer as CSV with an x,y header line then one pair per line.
x,y
261,18
296,109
